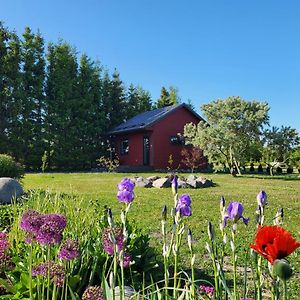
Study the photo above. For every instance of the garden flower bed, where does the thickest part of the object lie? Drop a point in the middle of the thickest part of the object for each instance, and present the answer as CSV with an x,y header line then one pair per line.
x,y
54,252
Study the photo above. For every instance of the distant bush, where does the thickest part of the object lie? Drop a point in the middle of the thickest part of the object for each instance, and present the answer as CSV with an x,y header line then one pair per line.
x,y
10,168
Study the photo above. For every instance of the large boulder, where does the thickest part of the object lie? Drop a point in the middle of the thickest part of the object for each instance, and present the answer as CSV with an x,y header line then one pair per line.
x,y
205,182
162,183
9,188
182,183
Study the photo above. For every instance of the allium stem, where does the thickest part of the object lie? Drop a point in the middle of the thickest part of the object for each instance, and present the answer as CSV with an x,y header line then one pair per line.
x,y
165,256
48,275
30,272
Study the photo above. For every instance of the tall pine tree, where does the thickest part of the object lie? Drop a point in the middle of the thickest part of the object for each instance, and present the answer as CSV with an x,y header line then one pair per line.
x,y
61,105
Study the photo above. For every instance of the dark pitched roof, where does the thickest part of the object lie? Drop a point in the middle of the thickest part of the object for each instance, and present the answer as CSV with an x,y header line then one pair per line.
x,y
148,118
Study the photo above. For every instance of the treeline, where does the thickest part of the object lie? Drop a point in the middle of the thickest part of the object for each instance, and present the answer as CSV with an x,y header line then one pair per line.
x,y
55,107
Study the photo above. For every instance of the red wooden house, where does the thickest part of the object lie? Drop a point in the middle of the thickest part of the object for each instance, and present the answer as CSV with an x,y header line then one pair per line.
x,y
148,139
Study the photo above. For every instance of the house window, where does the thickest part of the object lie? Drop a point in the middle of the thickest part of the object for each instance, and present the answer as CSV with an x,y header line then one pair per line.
x,y
124,147
177,140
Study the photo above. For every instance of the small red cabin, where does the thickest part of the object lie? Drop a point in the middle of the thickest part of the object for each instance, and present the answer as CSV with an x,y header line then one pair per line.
x,y
148,139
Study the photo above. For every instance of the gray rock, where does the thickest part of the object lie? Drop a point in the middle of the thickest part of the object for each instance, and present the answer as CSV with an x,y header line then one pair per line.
x,y
205,182
182,183
193,182
162,183
143,182
153,178
9,188
129,292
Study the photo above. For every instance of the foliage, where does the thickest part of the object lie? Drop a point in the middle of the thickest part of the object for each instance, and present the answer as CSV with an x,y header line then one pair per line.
x,y
10,168
193,158
111,164
280,143
231,126
168,98
53,99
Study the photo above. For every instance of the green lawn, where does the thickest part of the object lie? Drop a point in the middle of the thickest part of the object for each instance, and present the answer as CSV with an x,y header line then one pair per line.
x,y
146,209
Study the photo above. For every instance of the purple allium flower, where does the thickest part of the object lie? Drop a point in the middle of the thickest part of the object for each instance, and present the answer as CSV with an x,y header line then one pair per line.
x,y
127,260
262,198
56,271
206,290
93,293
31,221
125,196
126,184
183,205
5,262
175,185
110,238
4,244
51,229
235,212
245,299
69,250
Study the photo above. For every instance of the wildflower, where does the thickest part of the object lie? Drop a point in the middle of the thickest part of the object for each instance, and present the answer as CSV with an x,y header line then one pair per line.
x,y
112,237
274,242
174,185
4,244
56,271
69,250
183,205
51,229
126,184
235,212
93,293
262,198
206,290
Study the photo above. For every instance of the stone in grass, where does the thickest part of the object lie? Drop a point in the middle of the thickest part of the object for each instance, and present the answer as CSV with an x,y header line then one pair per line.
x,y
193,182
9,188
143,182
205,182
152,178
162,183
129,293
182,183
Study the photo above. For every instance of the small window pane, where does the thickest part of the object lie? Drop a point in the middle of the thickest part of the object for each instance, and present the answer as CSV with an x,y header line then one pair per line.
x,y
124,147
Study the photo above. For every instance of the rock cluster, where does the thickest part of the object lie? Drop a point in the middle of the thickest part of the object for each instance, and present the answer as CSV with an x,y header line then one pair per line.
x,y
191,181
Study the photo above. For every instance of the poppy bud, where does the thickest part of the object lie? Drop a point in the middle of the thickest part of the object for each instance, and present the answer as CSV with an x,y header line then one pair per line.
x,y
282,269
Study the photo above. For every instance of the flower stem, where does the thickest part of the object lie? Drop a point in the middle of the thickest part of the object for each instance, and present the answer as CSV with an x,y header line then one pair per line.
x,y
285,290
48,277
30,273
235,293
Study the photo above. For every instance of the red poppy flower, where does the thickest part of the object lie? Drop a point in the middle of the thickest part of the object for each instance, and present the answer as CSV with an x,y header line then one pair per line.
x,y
274,242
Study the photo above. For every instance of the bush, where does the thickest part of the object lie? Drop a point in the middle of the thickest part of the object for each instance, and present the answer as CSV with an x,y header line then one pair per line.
x,y
10,168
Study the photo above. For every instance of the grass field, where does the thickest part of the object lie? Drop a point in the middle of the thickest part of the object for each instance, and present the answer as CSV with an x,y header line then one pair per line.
x,y
146,209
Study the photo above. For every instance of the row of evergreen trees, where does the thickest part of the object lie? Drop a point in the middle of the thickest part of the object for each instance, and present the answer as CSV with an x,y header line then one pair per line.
x,y
58,106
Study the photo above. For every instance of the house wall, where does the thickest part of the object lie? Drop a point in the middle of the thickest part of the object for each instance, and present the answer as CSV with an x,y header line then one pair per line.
x,y
135,155
162,131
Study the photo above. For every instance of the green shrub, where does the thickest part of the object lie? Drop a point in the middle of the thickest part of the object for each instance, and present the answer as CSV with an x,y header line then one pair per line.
x,y
10,168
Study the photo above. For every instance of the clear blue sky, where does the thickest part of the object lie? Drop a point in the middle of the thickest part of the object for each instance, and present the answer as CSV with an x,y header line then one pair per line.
x,y
207,49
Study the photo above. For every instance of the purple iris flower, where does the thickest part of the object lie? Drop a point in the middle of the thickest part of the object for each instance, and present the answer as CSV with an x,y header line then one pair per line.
x,y
125,196
125,191
185,210
184,205
235,212
184,199
262,198
126,184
